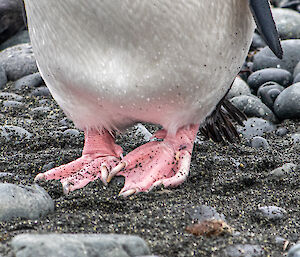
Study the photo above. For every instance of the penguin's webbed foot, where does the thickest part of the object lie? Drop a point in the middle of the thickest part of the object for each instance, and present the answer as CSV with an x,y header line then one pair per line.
x,y
100,156
158,163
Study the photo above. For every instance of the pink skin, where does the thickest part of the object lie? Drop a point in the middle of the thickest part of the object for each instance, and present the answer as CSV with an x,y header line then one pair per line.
x,y
100,155
157,163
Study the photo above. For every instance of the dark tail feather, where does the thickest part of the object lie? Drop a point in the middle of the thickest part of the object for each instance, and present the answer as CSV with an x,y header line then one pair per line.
x,y
218,126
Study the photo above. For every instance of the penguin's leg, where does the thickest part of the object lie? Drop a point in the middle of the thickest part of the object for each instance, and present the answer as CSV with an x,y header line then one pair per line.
x,y
157,163
99,156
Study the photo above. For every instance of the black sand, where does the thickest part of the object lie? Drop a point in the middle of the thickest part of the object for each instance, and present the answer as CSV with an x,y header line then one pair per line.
x,y
159,217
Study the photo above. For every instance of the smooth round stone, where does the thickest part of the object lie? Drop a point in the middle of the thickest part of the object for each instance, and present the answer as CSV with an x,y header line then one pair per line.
x,y
11,18
48,166
252,106
270,213
296,138
243,250
294,251
5,174
13,104
296,70
204,212
239,87
255,127
41,91
28,202
30,81
79,245
281,132
258,78
257,41
21,37
287,23
3,77
11,96
71,132
259,142
40,111
10,132
268,93
291,4
291,56
44,102
287,104
297,79
283,171
18,61
65,122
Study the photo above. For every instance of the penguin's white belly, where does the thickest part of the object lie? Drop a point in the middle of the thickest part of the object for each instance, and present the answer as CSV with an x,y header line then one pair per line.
x,y
110,63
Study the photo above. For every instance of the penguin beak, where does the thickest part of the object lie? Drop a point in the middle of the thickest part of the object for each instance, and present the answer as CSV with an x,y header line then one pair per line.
x,y
264,21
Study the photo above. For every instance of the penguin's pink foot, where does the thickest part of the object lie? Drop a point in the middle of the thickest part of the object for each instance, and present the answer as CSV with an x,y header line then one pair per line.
x,y
157,163
100,155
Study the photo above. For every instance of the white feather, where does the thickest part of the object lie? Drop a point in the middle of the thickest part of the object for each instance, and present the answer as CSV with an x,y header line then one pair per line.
x,y
111,63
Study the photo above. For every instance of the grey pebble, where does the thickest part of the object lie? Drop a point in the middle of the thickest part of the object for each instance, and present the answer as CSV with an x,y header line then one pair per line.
x,y
281,132
10,96
79,245
291,4
268,92
296,70
40,111
71,132
239,87
243,250
28,202
257,41
270,213
13,104
296,138
294,251
3,77
11,18
259,142
252,106
297,78
48,166
44,102
5,174
204,212
287,23
287,104
255,127
21,37
283,171
65,122
30,81
281,76
41,91
291,56
18,61
10,132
